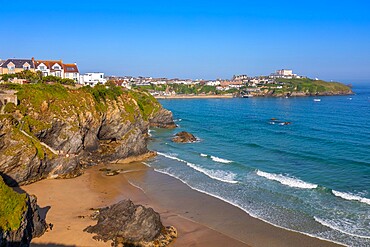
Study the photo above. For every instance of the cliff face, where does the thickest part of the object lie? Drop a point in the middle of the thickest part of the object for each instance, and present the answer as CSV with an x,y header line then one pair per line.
x,y
55,131
20,220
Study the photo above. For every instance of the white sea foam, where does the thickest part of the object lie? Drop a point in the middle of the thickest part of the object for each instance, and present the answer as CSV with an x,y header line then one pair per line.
x,y
150,132
203,155
223,176
351,197
240,207
335,226
220,160
289,181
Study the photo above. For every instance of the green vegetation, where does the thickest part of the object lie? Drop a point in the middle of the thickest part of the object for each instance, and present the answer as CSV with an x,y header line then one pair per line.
x,y
146,103
37,77
103,92
12,207
28,75
33,95
310,86
63,81
186,89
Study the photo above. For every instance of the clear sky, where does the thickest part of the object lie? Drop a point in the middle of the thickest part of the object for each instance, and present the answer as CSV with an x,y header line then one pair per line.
x,y
193,39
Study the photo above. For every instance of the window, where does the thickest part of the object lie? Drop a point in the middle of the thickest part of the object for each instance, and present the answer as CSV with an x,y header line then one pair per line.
x,y
26,67
42,67
11,67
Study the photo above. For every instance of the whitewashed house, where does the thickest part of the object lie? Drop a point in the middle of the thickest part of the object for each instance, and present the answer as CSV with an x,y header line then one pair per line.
x,y
92,79
71,72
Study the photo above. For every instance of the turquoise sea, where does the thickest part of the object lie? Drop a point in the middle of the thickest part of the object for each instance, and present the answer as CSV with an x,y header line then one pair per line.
x,y
311,176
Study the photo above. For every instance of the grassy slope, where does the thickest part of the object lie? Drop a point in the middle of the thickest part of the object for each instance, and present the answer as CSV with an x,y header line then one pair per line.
x,y
312,86
12,207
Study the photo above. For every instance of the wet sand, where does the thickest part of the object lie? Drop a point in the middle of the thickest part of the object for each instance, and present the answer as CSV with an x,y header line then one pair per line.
x,y
201,220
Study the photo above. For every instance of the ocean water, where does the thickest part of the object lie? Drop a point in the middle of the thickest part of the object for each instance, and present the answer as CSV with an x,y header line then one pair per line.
x,y
310,176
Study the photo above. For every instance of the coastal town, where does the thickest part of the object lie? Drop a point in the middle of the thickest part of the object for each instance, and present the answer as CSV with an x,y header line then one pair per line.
x,y
282,82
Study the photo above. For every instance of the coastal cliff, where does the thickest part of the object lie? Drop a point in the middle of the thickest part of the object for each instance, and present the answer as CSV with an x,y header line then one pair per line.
x,y
20,220
55,131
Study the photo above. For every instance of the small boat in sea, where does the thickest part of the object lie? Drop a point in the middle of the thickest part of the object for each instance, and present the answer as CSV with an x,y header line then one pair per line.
x,y
247,96
317,100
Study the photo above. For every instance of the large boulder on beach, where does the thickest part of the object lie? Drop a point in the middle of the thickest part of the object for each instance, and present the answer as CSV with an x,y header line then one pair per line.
x,y
184,137
130,224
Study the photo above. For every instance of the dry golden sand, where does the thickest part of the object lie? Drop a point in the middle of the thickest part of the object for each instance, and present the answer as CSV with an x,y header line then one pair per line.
x,y
72,198
201,220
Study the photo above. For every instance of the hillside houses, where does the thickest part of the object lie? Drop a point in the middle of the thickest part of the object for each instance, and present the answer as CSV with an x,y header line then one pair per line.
x,y
46,67
11,66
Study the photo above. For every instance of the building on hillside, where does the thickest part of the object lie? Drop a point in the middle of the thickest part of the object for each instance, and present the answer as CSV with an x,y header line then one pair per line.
x,y
92,79
71,72
46,67
240,77
12,66
8,96
53,68
285,73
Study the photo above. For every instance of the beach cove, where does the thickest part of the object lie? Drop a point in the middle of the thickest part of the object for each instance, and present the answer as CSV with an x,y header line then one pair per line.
x,y
68,204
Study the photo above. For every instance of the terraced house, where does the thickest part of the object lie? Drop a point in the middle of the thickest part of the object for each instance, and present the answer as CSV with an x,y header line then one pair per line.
x,y
12,66
46,67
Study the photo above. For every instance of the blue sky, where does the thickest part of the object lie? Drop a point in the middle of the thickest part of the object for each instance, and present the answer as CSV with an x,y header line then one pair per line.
x,y
193,39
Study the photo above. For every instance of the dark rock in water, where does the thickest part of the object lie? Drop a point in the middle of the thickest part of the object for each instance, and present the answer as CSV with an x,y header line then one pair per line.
x,y
184,137
126,223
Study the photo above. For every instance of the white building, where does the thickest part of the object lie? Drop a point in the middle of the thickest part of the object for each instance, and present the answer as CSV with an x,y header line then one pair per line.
x,y
93,78
58,69
213,83
284,72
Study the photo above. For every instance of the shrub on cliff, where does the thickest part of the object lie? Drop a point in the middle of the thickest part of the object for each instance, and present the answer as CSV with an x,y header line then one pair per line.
x,y
12,207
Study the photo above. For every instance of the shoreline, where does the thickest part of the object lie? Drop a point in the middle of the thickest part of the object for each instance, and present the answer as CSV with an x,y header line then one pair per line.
x,y
181,96
186,96
178,204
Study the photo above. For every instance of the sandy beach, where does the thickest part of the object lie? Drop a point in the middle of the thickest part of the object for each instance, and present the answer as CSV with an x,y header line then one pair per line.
x,y
186,96
201,220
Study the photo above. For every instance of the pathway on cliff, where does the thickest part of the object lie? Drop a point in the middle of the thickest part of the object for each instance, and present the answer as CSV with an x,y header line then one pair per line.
x,y
42,143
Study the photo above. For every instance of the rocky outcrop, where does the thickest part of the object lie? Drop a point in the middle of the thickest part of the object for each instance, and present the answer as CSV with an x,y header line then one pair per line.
x,y
126,223
184,137
163,119
55,131
21,221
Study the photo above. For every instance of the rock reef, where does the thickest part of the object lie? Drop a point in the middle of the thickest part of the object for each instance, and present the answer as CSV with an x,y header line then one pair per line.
x,y
132,225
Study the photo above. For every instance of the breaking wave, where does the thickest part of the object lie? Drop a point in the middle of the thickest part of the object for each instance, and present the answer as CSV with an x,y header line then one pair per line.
x,y
338,227
289,181
351,197
223,176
